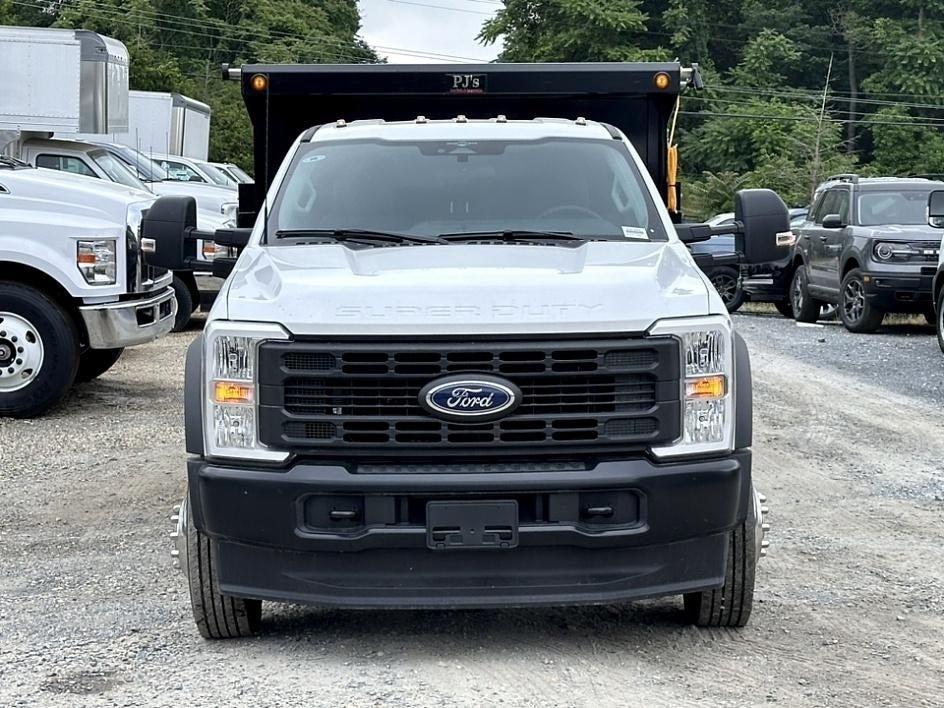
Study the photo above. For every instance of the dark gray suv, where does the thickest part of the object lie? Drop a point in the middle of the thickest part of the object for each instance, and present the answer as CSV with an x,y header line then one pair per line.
x,y
866,246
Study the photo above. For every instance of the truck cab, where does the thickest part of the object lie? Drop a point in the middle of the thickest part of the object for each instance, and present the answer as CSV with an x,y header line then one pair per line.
x,y
466,360
74,287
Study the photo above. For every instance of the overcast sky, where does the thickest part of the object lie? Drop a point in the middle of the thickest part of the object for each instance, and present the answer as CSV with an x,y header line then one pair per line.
x,y
430,27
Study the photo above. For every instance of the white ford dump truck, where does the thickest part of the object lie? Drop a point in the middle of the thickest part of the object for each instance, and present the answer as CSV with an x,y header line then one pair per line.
x,y
74,287
465,358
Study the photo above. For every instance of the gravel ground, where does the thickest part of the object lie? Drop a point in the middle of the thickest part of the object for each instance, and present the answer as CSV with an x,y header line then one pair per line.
x,y
850,611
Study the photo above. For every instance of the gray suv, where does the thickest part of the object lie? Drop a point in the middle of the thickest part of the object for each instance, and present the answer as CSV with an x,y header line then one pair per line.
x,y
866,246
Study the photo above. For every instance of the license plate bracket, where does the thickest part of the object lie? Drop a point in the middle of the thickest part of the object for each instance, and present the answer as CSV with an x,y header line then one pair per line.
x,y
479,524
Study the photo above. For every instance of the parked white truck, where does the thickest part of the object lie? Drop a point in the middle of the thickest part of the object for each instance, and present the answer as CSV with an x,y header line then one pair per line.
x,y
74,287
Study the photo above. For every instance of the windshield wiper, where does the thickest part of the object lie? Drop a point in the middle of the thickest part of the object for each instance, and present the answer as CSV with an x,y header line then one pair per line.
x,y
366,237
13,162
513,235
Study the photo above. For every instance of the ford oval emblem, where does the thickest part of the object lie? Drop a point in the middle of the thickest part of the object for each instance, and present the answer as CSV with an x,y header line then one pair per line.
x,y
471,398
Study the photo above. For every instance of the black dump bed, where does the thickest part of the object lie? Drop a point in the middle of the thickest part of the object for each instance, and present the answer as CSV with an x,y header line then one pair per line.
x,y
292,98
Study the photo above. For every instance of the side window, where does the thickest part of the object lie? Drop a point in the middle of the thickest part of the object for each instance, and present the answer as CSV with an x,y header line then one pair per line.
x,y
816,212
181,172
824,206
841,205
65,163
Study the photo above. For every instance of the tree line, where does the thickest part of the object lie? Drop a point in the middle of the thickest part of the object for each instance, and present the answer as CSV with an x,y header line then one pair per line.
x,y
795,92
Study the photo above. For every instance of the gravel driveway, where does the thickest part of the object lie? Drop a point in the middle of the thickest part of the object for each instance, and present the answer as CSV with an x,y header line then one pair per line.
x,y
849,448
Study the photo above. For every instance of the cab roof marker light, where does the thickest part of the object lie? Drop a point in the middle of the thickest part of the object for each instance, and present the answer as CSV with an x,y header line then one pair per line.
x,y
341,123
581,121
501,118
461,119
422,119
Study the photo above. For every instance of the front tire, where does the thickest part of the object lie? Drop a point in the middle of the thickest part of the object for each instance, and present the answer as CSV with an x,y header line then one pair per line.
x,y
185,304
95,362
940,319
805,308
785,308
858,314
39,351
731,604
217,616
727,283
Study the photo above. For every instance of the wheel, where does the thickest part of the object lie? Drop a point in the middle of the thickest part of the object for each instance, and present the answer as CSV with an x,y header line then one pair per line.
x,y
805,308
855,310
95,362
730,605
785,308
217,616
930,317
185,304
727,283
39,351
940,319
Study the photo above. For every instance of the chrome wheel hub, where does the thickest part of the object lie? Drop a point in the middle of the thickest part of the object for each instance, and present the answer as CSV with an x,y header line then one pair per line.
x,y
853,300
21,352
762,527
725,286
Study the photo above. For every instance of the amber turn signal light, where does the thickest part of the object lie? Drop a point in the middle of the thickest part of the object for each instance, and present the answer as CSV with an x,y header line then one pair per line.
x,y
259,82
706,387
662,81
232,392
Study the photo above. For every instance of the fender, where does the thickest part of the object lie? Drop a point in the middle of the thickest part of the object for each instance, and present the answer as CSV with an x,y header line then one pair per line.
x,y
193,397
744,395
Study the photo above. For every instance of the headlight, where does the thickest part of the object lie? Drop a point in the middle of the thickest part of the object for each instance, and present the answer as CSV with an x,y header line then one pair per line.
x,y
98,261
229,211
898,251
231,389
707,390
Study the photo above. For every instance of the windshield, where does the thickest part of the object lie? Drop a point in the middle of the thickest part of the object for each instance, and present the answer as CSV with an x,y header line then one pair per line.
x,y
904,207
240,174
115,169
584,187
216,175
141,164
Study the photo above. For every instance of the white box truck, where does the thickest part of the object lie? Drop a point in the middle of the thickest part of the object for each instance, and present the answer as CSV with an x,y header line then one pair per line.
x,y
63,81
165,124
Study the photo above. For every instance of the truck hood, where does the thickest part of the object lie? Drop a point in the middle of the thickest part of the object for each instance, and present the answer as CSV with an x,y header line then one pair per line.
x,y
61,192
463,289
893,232
209,197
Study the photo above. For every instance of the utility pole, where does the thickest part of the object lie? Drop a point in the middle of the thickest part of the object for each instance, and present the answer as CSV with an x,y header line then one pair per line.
x,y
819,129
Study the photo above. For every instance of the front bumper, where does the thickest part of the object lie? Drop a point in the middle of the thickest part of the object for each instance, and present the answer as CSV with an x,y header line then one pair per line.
x,y
277,540
125,324
900,292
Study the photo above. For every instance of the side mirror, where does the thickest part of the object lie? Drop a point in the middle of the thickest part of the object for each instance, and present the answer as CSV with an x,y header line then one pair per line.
x,y
165,230
693,233
833,221
765,234
936,209
169,236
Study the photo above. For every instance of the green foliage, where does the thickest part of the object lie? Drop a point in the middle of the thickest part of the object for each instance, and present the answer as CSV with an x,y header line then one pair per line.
x,y
570,30
902,148
762,121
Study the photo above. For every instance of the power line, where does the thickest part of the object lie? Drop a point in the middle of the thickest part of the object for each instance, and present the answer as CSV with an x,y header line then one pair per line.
x,y
801,119
442,7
